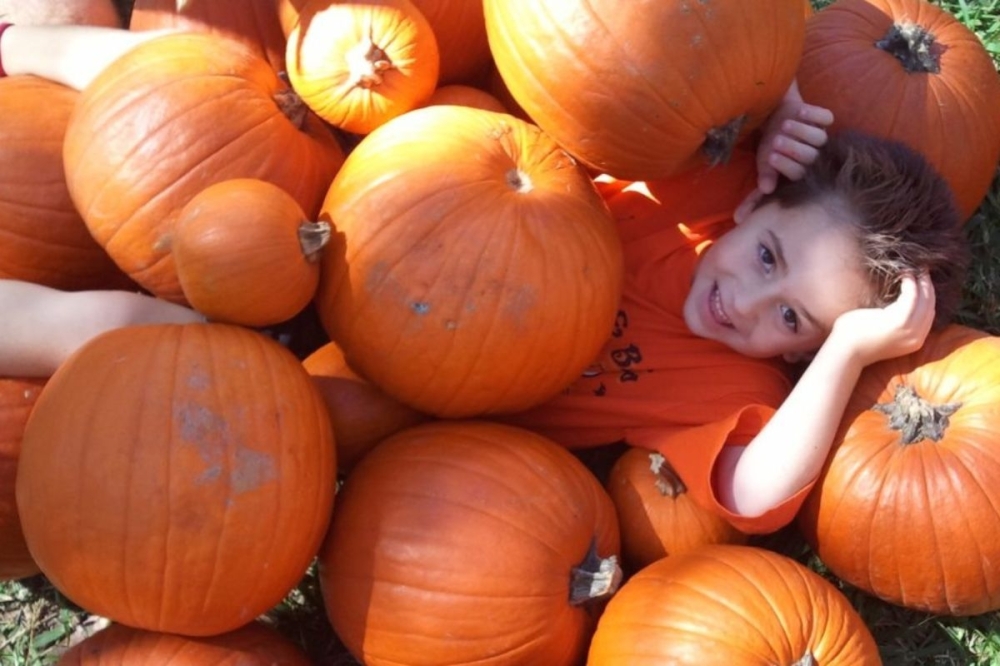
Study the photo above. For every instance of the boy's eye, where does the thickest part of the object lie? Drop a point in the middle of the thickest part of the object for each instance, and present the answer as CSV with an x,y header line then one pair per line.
x,y
766,257
789,317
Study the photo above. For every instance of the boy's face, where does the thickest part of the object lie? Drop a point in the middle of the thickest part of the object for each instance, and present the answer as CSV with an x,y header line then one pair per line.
x,y
774,285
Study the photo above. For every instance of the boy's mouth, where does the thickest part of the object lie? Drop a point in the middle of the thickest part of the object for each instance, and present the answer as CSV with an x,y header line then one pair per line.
x,y
716,309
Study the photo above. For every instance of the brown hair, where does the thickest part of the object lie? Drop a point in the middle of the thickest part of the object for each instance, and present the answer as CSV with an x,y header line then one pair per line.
x,y
905,214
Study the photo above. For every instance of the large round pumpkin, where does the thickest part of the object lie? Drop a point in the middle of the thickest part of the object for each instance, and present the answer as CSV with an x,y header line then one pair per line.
x,y
119,645
468,543
910,71
254,23
734,605
17,398
643,90
167,119
475,268
177,478
43,239
908,505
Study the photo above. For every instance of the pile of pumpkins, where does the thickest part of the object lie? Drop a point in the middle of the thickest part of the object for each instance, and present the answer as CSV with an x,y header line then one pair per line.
x,y
419,173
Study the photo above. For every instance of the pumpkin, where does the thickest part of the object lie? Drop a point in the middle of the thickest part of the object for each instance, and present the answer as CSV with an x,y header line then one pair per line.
x,y
475,268
254,23
43,239
176,114
468,542
906,507
17,398
358,65
910,71
730,604
119,645
460,30
177,477
464,95
656,515
246,253
362,414
642,91
288,14
46,12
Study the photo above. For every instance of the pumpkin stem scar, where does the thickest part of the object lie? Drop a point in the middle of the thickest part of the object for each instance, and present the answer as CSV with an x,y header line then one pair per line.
x,y
595,578
366,62
720,141
915,418
806,660
313,237
667,481
519,181
292,106
914,47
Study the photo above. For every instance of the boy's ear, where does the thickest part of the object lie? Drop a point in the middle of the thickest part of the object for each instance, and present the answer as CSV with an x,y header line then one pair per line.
x,y
798,357
746,206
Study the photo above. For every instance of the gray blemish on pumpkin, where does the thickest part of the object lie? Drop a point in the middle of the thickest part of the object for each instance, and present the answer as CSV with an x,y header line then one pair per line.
x,y
253,469
420,307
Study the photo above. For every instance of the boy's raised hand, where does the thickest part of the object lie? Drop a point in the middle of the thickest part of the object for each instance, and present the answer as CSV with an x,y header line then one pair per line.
x,y
790,139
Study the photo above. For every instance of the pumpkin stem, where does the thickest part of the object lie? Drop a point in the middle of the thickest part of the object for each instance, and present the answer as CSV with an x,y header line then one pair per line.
x,y
595,578
667,481
915,418
313,237
519,181
292,106
807,660
720,141
366,62
914,47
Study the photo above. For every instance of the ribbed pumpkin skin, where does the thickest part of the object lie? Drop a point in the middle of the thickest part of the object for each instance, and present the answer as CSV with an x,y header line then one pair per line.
x,y
254,23
169,118
951,116
118,645
632,89
733,605
460,30
177,478
475,268
454,543
328,61
918,524
43,239
17,397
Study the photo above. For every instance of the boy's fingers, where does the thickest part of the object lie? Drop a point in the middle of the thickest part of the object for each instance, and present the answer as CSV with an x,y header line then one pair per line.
x,y
816,115
804,132
790,168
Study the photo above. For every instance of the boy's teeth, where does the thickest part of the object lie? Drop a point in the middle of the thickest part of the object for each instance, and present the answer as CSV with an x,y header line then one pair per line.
x,y
717,310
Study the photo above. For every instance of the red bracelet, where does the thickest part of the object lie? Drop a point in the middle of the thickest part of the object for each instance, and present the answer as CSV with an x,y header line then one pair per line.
x,y
3,28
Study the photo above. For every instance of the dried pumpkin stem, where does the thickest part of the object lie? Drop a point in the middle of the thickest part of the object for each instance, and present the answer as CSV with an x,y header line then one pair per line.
x,y
366,62
914,47
915,418
313,237
595,578
720,141
292,106
807,660
667,481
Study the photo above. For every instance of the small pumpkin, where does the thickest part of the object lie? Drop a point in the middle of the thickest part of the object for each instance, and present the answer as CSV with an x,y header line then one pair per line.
x,y
730,604
173,115
358,65
17,398
475,268
246,253
177,477
642,91
469,543
656,515
906,507
252,645
910,71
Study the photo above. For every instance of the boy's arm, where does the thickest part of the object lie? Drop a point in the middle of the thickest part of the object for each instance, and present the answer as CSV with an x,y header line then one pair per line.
x,y
790,450
41,326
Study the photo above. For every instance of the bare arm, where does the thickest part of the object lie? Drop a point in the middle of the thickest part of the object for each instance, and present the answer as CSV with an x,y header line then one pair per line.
x,y
791,449
41,326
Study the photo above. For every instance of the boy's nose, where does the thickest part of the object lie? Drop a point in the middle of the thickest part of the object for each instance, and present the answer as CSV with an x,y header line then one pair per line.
x,y
748,301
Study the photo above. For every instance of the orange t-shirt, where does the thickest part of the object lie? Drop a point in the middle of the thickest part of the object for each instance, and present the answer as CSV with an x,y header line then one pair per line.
x,y
656,384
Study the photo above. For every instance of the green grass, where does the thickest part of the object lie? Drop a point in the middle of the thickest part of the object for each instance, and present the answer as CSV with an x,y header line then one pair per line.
x,y
37,623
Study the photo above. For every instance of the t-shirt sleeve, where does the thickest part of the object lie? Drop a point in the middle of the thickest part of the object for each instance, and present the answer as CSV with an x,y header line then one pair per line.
x,y
693,453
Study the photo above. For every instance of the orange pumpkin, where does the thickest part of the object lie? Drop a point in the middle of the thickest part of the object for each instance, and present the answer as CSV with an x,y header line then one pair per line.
x,y
475,268
657,516
645,90
251,645
910,71
362,415
906,507
254,23
358,65
177,478
48,12
246,253
44,239
17,398
734,605
468,543
464,95
460,31
167,119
